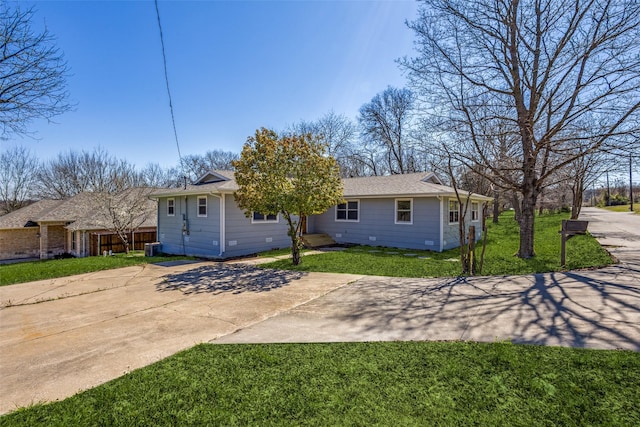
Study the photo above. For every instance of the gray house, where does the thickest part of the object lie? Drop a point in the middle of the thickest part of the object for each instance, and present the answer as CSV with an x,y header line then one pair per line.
x,y
204,220
413,211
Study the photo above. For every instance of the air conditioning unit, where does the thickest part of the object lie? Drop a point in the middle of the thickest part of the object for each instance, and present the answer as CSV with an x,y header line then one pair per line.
x,y
152,249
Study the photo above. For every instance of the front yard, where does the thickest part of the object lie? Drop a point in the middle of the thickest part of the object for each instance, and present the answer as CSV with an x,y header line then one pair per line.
x,y
502,244
49,269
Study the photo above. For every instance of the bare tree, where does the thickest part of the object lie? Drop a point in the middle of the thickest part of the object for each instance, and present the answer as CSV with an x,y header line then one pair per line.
x,y
123,212
196,165
385,121
536,69
74,172
153,175
337,132
18,168
32,73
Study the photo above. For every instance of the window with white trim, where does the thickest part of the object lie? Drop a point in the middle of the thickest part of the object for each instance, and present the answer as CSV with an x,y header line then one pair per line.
x,y
349,211
257,217
454,212
202,206
171,207
475,211
404,211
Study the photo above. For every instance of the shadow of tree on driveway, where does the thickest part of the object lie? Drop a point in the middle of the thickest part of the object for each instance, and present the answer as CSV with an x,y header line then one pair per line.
x,y
577,309
220,278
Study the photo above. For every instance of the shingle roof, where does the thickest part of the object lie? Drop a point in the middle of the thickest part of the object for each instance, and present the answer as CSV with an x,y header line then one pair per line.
x,y
414,185
80,210
76,207
418,184
226,185
30,213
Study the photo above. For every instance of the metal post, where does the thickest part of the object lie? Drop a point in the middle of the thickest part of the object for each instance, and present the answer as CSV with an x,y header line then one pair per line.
x,y
608,191
563,245
630,184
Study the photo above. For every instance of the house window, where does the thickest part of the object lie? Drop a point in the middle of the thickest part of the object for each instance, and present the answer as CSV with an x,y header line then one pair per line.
x,y
348,211
257,217
73,240
202,205
454,212
171,207
404,211
475,211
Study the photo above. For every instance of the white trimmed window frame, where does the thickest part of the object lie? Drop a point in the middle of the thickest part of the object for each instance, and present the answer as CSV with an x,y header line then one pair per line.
x,y
410,210
198,206
454,215
171,206
264,220
347,210
475,211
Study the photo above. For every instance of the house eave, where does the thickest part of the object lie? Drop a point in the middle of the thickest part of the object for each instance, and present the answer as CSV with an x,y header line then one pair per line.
x,y
415,195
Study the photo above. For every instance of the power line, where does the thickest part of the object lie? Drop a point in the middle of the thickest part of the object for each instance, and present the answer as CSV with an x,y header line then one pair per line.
x,y
166,79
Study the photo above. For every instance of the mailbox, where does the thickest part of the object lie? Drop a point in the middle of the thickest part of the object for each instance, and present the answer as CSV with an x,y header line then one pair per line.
x,y
574,226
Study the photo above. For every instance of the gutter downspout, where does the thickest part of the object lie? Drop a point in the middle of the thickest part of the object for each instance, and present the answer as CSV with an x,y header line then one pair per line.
x,y
441,222
222,221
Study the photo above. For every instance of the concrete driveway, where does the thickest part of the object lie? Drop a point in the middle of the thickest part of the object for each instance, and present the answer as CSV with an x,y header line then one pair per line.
x,y
589,308
64,335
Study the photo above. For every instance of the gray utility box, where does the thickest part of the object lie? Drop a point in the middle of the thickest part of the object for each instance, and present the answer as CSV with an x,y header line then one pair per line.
x,y
152,249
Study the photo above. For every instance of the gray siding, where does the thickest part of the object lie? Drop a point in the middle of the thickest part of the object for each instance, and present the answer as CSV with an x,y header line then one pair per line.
x,y
202,236
377,227
451,234
244,237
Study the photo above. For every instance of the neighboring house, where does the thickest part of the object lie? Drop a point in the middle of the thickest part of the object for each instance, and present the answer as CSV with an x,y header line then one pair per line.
x,y
49,228
405,211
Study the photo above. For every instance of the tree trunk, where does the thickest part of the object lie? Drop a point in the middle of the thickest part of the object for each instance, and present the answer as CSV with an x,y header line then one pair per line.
x,y
526,220
496,206
576,203
295,238
295,250
515,203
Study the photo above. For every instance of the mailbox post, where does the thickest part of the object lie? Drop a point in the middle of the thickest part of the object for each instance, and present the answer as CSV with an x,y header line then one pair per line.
x,y
570,228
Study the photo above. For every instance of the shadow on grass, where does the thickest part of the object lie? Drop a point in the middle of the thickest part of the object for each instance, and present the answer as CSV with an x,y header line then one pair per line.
x,y
576,309
216,279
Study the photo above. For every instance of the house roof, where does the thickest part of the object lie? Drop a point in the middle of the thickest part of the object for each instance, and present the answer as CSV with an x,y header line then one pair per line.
x,y
78,206
419,184
81,211
217,181
28,216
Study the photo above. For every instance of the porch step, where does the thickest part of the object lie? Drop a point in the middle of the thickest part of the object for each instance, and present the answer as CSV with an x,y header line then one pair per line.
x,y
317,240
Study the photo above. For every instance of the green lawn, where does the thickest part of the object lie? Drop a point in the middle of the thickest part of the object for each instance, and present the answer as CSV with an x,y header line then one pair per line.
x,y
623,208
502,244
412,383
48,269
582,252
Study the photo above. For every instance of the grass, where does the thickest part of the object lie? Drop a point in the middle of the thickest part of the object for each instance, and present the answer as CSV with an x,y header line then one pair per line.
x,y
502,244
623,208
412,383
48,269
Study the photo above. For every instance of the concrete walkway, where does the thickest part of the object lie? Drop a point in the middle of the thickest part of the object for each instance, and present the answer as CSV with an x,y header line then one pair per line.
x,y
590,308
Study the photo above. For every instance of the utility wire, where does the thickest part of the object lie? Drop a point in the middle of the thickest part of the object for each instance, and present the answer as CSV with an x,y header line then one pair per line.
x,y
166,79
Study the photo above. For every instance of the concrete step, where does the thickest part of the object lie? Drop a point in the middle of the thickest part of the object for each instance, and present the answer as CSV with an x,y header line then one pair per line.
x,y
317,240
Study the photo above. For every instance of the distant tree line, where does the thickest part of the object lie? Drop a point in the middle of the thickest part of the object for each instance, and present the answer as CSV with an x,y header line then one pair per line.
x,y
24,178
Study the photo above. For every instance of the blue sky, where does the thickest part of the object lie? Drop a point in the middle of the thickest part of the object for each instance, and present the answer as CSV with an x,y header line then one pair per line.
x,y
234,66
